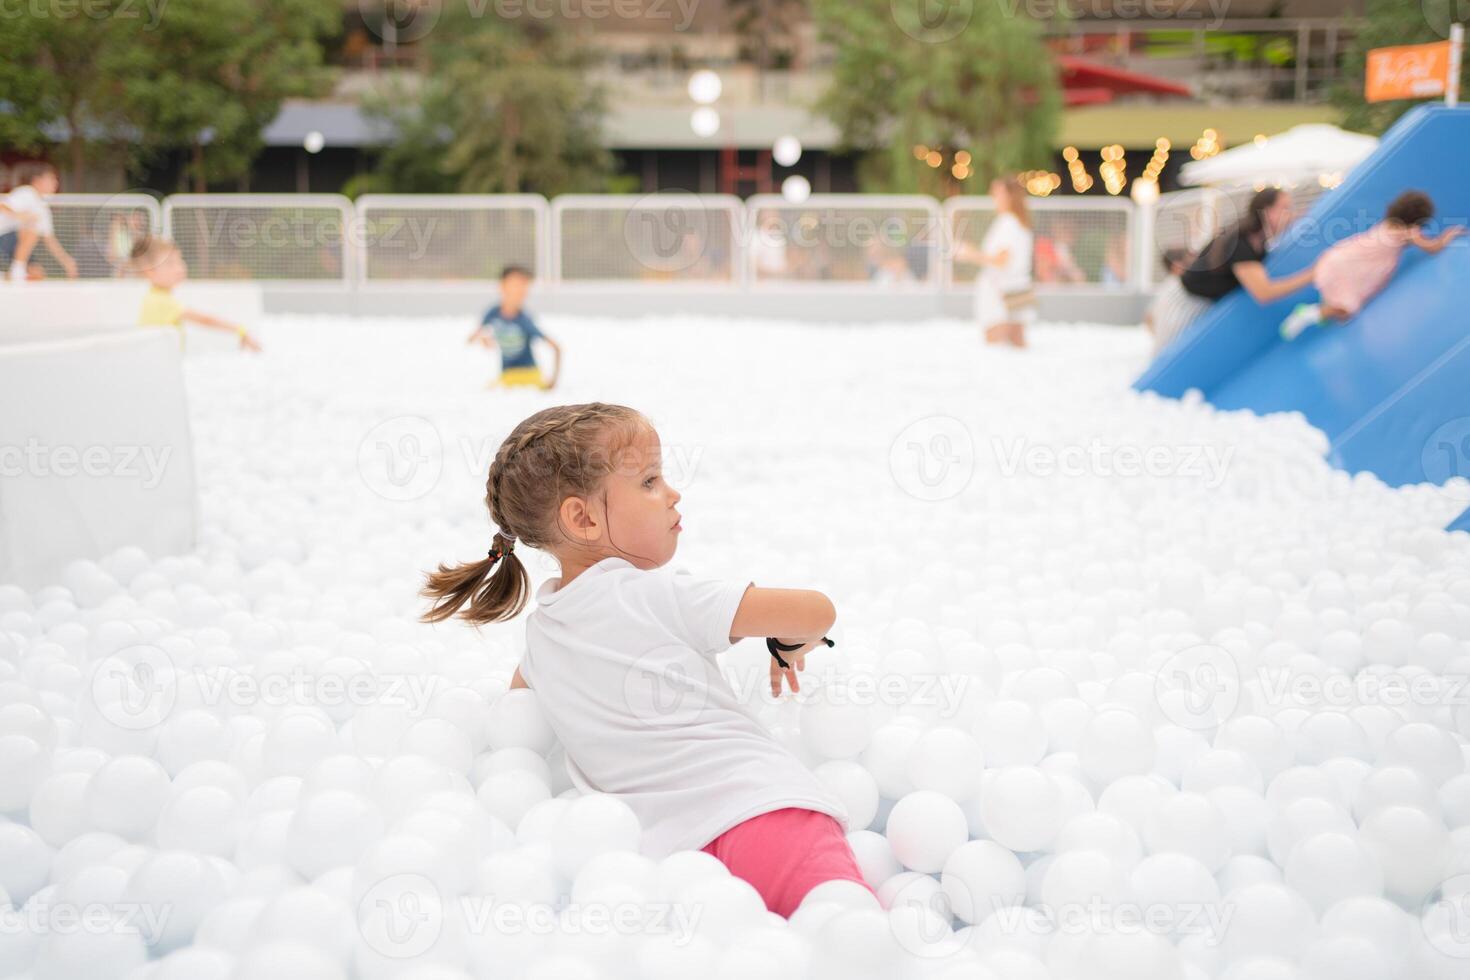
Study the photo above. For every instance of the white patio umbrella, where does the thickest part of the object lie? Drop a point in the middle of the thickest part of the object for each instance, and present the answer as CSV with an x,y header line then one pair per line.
x,y
1302,153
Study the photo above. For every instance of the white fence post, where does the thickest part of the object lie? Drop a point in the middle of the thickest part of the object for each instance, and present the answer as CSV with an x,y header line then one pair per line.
x,y
1147,257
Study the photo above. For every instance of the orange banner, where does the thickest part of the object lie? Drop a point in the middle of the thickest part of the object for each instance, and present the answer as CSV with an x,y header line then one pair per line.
x,y
1413,71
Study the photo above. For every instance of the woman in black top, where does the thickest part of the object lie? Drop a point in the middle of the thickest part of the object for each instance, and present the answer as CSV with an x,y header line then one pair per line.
x,y
1234,258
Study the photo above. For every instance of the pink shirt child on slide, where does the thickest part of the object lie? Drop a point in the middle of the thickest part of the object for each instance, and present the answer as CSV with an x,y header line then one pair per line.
x,y
1354,270
1358,268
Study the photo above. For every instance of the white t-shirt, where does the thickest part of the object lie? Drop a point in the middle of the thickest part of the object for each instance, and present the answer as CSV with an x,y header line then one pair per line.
x,y
623,664
26,200
1007,232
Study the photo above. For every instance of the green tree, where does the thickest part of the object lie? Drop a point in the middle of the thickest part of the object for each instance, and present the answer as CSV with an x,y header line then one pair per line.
x,y
767,30
211,75
55,84
504,106
200,75
1387,23
976,79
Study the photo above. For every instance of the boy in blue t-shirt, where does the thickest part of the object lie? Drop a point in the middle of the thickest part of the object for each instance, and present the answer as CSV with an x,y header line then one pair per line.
x,y
508,327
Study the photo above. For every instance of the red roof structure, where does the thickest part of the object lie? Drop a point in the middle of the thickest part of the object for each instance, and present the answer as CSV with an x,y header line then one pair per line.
x,y
1087,82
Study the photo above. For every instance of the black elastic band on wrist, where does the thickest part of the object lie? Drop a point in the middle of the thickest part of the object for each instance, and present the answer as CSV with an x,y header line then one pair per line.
x,y
777,648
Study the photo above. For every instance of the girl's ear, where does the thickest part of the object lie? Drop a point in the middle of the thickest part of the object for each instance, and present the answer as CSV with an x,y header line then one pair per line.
x,y
579,520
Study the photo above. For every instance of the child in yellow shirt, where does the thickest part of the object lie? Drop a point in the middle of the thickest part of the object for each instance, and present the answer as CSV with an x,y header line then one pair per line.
x,y
160,262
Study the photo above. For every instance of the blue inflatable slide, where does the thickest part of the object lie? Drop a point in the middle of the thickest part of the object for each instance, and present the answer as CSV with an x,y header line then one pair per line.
x,y
1390,387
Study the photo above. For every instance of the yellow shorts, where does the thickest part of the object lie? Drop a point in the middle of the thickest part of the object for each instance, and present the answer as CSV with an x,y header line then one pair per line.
x,y
521,377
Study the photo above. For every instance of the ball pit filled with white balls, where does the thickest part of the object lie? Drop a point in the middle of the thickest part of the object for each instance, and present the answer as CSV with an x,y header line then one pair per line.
x,y
1123,687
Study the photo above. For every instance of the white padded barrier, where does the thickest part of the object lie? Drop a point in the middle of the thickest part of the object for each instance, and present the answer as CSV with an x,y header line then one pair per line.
x,y
95,453
43,311
832,256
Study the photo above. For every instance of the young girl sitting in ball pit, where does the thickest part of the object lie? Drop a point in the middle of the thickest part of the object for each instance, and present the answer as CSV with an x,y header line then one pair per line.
x,y
620,652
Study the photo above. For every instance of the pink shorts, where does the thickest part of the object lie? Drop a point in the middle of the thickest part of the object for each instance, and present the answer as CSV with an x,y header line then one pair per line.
x,y
785,854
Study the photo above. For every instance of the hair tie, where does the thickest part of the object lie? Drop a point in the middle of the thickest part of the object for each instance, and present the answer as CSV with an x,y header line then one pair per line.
x,y
497,552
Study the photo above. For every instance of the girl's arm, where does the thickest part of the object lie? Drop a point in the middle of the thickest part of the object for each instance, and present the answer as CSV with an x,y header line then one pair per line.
x,y
1436,244
964,252
516,680
790,615
215,323
26,219
1262,288
555,360
68,264
972,255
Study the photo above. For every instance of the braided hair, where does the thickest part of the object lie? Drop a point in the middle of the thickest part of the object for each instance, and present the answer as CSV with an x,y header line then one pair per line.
x,y
556,453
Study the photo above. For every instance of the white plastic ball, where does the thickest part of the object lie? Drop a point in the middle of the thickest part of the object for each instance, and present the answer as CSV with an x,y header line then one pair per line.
x,y
1021,808
593,824
948,761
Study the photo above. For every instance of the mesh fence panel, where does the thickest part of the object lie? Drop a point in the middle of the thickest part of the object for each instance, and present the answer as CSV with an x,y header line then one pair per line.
x,y
98,231
449,238
654,238
847,238
1076,243
1185,221
284,238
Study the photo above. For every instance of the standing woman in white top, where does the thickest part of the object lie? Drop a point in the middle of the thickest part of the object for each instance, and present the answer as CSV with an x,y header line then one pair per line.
x,y
1005,301
620,657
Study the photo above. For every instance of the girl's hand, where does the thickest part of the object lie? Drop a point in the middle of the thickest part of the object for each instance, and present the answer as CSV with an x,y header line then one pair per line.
x,y
1450,234
797,662
796,659
248,343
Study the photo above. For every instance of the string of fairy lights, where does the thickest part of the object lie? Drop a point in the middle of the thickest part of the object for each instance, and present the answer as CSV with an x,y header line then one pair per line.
x,y
1112,167
705,87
